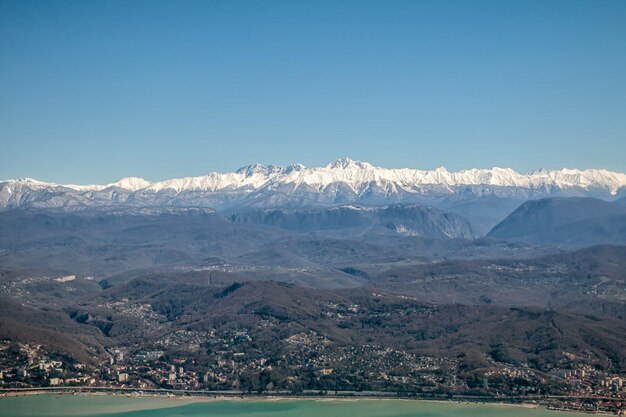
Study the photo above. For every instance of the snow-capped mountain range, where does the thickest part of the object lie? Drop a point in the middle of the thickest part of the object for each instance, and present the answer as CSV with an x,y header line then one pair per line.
x,y
342,181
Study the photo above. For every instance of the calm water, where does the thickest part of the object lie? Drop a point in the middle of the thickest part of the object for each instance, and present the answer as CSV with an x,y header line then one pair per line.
x,y
96,406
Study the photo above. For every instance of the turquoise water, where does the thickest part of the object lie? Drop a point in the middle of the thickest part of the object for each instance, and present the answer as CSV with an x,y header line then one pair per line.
x,y
100,406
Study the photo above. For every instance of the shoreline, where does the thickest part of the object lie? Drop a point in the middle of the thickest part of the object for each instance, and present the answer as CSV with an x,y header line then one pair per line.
x,y
222,396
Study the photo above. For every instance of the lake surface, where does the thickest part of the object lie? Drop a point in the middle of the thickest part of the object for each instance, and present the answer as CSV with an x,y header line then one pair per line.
x,y
119,406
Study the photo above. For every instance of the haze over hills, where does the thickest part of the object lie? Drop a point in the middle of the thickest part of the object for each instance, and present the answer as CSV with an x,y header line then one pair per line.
x,y
403,219
346,267
482,196
150,265
574,221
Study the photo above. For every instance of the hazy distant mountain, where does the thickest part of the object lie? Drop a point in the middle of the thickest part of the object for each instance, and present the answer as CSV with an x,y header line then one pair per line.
x,y
573,221
105,242
483,196
409,220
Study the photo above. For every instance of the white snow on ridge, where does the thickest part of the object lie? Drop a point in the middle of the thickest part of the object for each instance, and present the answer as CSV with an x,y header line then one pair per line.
x,y
358,176
128,183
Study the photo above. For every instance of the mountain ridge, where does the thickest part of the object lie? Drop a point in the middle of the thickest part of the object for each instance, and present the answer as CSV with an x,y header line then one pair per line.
x,y
339,182
497,176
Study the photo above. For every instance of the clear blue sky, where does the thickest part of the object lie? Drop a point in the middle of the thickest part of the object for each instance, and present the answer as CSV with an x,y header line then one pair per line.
x,y
91,91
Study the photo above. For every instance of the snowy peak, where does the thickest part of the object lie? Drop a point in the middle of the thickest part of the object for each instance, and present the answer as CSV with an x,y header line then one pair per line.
x,y
268,170
254,169
344,180
30,182
130,183
356,173
293,168
347,163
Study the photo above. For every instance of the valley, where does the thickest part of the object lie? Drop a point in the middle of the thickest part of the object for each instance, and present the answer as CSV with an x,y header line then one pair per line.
x,y
349,295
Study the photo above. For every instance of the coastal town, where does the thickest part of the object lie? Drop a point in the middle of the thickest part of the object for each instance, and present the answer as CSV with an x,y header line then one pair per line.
x,y
165,346
310,370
